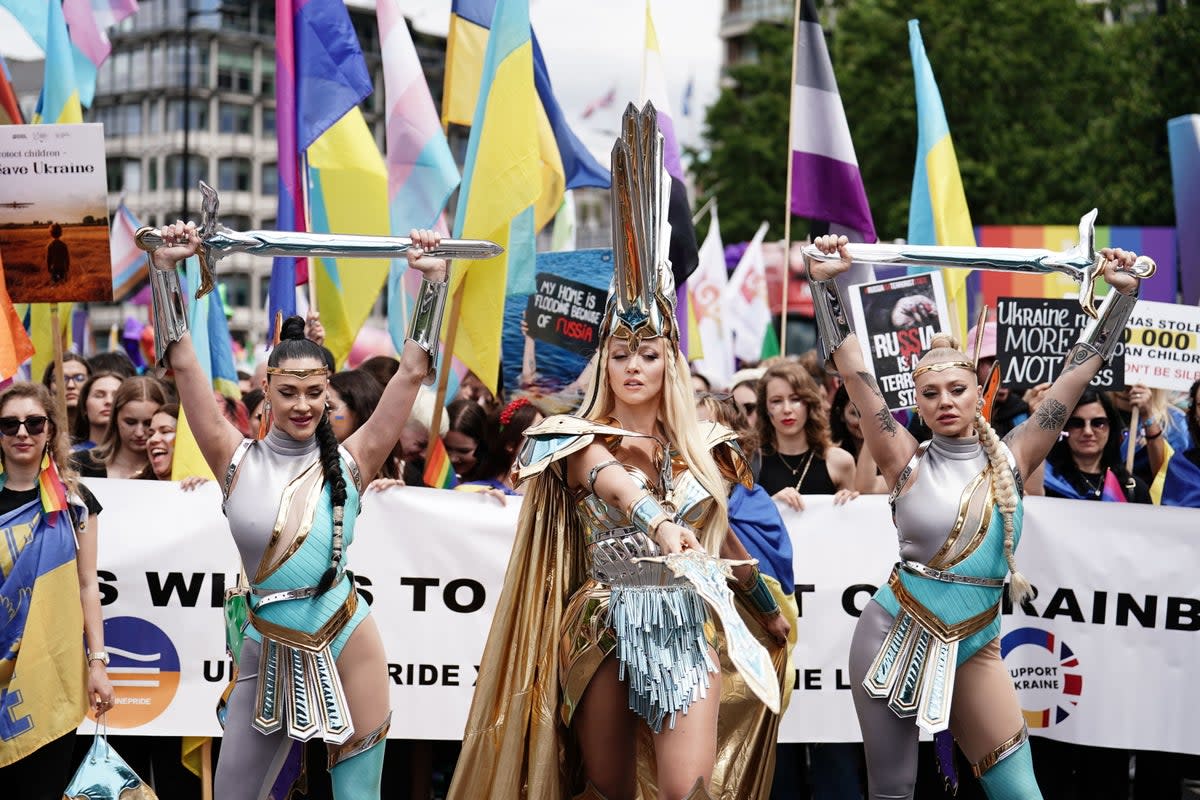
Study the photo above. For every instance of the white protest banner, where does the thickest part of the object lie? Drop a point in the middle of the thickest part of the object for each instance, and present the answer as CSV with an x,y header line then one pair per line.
x,y
896,320
1162,345
1103,656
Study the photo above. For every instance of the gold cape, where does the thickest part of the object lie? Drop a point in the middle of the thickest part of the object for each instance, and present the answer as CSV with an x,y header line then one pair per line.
x,y
515,745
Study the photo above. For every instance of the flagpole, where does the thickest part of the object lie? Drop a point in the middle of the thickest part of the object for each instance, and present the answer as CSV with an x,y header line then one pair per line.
x,y
312,263
787,199
60,386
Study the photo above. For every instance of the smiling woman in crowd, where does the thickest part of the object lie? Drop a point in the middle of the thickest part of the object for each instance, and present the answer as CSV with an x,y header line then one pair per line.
x,y
122,451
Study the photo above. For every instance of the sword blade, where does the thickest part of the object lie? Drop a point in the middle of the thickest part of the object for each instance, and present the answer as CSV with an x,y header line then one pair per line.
x,y
290,244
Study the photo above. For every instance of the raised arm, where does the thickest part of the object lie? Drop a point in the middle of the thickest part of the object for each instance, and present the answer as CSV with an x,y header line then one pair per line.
x,y
373,442
215,435
890,444
1031,441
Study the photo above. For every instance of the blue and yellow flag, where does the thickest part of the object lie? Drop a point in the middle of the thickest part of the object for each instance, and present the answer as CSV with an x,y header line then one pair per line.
x,y
501,179
42,668
938,211
59,101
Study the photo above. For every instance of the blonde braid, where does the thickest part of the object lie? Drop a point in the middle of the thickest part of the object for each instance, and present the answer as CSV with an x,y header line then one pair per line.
x,y
1006,497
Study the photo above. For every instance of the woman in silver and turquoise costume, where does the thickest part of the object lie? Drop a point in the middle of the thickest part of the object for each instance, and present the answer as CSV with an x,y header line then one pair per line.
x,y
926,645
600,672
312,663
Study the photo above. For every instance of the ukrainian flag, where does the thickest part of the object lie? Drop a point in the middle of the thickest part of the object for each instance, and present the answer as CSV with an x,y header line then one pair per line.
x,y
59,101
938,211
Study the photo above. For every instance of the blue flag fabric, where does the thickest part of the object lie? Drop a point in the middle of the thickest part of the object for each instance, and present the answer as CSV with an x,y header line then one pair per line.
x,y
755,519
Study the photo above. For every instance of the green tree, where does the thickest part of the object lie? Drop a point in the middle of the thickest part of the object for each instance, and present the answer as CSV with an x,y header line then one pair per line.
x,y
746,135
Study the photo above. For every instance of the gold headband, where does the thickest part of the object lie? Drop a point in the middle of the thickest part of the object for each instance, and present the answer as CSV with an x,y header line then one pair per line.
x,y
943,365
298,373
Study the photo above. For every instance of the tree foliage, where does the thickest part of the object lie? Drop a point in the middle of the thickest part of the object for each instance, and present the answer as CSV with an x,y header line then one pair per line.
x,y
1051,111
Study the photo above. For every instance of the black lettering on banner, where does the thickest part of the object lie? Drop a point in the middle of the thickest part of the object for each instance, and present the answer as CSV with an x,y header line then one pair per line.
x,y
840,680
1027,607
218,589
1183,614
1145,613
850,596
812,679
161,589
420,585
1099,607
476,680
899,319
801,590
215,671
423,674
361,582
108,592
1063,604
450,595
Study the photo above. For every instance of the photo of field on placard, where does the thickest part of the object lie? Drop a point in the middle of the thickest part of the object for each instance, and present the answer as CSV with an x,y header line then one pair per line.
x,y
53,261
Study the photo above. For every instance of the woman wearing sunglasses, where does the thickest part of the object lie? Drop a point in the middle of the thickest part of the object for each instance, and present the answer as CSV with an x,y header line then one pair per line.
x,y
1086,464
48,586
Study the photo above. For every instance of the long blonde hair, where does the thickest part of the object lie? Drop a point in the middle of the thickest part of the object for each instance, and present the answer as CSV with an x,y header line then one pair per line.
x,y
677,412
944,348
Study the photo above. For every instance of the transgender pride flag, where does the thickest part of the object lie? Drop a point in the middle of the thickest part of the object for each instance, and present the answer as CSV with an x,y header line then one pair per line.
x,y
826,182
421,169
128,260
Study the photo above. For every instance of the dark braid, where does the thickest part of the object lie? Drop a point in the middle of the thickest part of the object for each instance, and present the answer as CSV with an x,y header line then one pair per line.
x,y
293,345
331,463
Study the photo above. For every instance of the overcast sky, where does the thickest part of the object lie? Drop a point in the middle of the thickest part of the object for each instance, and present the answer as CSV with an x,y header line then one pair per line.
x,y
590,47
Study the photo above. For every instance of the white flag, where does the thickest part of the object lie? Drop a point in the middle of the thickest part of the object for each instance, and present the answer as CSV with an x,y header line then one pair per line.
x,y
747,313
707,287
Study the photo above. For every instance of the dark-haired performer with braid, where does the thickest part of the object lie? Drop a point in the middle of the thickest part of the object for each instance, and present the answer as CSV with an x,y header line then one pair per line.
x,y
312,663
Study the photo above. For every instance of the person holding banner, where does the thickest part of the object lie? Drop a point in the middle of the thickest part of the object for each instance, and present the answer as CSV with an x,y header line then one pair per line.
x,y
1086,464
51,594
926,645
312,662
600,671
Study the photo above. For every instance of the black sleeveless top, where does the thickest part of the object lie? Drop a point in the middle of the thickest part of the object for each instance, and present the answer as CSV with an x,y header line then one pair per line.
x,y
781,471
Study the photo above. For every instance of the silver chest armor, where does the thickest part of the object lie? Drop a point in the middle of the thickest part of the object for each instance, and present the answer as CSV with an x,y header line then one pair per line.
x,y
613,543
252,506
928,510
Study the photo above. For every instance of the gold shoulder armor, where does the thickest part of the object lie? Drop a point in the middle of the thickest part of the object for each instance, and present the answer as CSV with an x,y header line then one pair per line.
x,y
557,437
726,451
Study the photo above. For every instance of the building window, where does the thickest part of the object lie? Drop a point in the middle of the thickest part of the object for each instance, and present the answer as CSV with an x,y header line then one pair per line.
x,y
235,70
154,118
197,119
197,170
268,123
270,180
235,118
157,61
124,174
139,74
267,67
152,173
237,289
233,174
131,118
176,58
236,222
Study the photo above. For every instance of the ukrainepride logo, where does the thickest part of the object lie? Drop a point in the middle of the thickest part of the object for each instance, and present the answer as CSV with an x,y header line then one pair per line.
x,y
1045,673
143,668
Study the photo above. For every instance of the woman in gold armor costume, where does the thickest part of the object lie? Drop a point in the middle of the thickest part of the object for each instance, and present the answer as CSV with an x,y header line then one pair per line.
x,y
600,677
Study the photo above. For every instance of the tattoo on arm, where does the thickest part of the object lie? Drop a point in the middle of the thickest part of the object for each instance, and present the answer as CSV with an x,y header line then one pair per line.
x,y
1051,415
887,423
1079,355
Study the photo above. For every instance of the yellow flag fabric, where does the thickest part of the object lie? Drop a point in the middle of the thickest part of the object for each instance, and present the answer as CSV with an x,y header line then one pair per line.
x,y
41,333
502,177
188,463
348,193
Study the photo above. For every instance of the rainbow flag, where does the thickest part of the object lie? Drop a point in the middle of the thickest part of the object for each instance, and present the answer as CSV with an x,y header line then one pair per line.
x,y
10,109
15,345
439,473
1157,242
35,17
938,211
50,487
1111,491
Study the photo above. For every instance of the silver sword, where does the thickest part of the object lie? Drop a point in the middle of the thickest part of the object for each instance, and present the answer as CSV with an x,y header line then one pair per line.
x,y
1081,262
217,241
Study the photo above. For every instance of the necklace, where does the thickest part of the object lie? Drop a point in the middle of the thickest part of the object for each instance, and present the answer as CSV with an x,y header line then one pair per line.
x,y
1094,489
802,470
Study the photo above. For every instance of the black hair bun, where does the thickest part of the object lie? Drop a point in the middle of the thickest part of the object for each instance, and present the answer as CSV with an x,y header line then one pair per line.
x,y
293,328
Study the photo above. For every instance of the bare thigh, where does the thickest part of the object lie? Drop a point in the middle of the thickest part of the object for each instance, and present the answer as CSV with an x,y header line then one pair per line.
x,y
689,750
607,734
985,712
362,666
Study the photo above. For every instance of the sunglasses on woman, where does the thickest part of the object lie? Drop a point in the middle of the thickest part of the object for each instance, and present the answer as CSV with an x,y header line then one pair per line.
x,y
34,424
1097,423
